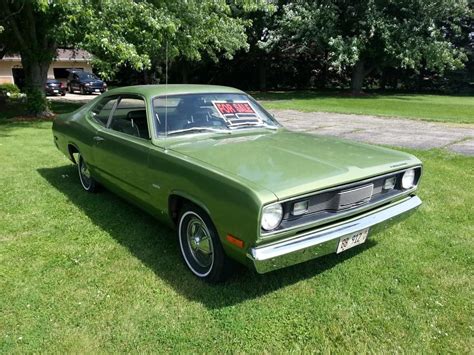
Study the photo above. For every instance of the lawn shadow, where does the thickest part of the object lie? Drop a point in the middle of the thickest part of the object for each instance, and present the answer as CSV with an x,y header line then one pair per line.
x,y
18,108
156,247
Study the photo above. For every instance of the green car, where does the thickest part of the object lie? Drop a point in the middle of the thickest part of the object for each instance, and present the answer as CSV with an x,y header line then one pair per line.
x,y
238,187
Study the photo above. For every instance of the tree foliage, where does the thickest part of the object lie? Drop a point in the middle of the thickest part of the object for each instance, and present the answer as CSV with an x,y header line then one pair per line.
x,y
364,35
118,33
141,31
298,39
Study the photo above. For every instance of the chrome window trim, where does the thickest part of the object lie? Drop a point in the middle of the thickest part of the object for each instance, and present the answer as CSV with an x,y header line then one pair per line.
x,y
264,234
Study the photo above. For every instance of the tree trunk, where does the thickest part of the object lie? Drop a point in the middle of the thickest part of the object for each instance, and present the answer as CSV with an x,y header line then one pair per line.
x,y
184,73
36,48
358,74
321,81
36,74
146,76
262,75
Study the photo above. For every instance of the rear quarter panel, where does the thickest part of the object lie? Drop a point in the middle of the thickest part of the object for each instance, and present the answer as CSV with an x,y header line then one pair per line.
x,y
74,129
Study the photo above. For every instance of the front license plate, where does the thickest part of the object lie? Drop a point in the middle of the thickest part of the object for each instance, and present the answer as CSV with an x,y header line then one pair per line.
x,y
351,240
97,90
56,91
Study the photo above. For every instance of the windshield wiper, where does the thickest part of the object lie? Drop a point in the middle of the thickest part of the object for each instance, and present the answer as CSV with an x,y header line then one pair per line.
x,y
254,125
199,129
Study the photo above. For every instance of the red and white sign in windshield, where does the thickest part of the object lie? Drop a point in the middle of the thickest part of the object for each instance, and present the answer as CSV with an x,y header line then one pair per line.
x,y
237,113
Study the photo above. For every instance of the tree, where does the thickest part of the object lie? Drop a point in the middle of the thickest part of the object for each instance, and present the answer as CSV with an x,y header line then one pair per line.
x,y
118,32
33,30
188,28
364,35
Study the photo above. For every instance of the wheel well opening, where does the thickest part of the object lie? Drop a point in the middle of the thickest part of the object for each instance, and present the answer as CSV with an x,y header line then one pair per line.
x,y
72,150
175,203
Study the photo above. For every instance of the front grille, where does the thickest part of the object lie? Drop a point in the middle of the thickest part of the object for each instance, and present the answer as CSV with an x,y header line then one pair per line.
x,y
353,197
342,202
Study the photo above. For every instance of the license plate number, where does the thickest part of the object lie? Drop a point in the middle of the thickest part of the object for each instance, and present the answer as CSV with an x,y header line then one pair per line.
x,y
97,90
351,240
56,91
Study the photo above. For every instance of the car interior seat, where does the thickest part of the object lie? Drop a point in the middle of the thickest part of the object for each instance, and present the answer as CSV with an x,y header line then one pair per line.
x,y
137,123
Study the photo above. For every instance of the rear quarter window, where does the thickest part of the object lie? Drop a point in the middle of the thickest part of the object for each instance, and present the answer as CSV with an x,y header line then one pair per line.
x,y
101,111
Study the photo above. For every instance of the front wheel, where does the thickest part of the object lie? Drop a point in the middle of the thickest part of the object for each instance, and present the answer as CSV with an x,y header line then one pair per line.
x,y
87,181
200,246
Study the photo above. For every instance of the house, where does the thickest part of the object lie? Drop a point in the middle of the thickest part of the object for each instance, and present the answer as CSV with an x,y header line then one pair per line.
x,y
11,70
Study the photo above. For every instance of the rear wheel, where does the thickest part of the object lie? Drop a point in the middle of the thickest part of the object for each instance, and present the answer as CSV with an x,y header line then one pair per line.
x,y
69,87
87,181
200,246
83,92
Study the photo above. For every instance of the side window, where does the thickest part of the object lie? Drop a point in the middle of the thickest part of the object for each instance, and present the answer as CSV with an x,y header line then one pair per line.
x,y
130,117
101,111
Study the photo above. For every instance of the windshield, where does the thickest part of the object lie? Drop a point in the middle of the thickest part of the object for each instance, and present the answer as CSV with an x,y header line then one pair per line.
x,y
201,113
87,76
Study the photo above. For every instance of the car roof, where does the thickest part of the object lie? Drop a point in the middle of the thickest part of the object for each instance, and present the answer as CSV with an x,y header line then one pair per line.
x,y
79,71
174,89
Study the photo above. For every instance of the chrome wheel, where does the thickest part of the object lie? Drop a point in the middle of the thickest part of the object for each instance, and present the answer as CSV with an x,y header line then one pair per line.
x,y
200,245
199,242
84,174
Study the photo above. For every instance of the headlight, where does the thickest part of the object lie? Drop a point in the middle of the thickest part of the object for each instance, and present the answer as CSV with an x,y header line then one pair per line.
x,y
271,216
408,180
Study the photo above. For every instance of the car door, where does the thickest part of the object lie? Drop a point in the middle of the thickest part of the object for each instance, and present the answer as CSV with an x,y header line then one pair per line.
x,y
121,148
73,81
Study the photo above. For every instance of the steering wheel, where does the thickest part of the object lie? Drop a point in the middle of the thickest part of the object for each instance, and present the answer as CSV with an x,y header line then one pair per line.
x,y
205,118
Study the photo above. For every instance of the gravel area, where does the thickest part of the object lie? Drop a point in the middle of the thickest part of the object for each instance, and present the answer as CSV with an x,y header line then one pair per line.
x,y
382,130
370,129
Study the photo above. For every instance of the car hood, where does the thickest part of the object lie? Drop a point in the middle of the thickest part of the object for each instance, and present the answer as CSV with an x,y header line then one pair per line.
x,y
289,163
95,82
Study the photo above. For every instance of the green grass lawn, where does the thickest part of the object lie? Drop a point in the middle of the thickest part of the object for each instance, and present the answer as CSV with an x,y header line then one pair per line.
x,y
442,108
90,273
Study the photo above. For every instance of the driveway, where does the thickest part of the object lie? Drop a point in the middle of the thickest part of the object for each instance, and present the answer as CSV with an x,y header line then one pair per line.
x,y
370,129
74,98
382,130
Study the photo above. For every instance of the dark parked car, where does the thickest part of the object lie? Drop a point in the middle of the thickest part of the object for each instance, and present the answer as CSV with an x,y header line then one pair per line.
x,y
85,82
55,87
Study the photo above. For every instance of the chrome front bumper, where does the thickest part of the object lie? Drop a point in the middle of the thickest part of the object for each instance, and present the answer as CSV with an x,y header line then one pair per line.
x,y
324,241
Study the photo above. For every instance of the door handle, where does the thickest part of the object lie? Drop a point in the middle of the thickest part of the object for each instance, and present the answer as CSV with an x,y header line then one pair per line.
x,y
98,139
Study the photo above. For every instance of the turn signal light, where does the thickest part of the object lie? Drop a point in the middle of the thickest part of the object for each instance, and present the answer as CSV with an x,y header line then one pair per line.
x,y
235,241
389,183
300,208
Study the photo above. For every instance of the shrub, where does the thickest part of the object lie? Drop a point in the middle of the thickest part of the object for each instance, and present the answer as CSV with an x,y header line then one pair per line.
x,y
36,102
9,90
